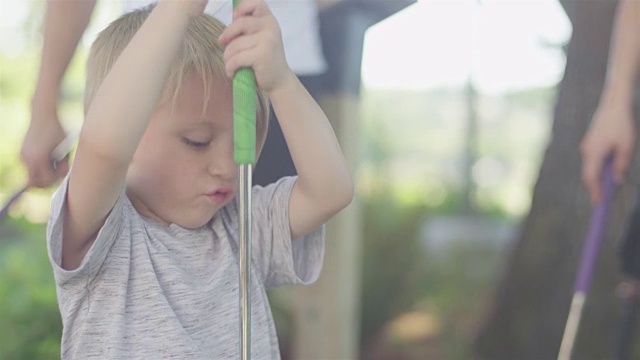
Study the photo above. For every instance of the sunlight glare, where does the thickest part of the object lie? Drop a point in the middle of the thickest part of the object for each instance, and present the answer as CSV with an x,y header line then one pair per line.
x,y
509,45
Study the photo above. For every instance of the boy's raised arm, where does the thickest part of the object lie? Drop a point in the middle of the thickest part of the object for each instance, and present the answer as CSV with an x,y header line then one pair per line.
x,y
116,121
324,185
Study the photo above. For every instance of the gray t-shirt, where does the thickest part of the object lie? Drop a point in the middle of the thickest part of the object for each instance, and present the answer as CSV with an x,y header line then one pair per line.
x,y
149,291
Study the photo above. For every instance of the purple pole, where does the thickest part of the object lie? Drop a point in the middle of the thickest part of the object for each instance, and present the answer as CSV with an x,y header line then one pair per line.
x,y
594,234
587,262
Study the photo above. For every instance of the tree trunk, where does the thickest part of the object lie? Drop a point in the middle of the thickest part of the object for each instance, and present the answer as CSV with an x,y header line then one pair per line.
x,y
532,302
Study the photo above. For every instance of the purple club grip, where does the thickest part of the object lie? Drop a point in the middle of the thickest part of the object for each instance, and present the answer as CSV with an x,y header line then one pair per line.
x,y
596,228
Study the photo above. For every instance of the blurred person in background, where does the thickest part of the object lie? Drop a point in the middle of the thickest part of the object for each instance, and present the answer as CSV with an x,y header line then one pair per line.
x,y
612,130
613,133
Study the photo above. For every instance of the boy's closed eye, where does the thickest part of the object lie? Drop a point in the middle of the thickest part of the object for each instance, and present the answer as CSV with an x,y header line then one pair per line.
x,y
195,143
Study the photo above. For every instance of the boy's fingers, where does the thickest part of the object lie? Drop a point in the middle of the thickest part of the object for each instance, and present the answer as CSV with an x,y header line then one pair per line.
x,y
240,44
241,26
250,7
241,59
244,8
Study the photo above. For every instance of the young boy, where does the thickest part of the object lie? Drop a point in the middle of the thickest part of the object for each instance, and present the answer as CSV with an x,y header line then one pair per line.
x,y
143,233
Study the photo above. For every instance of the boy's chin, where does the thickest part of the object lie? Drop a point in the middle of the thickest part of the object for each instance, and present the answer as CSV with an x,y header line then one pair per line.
x,y
193,224
195,221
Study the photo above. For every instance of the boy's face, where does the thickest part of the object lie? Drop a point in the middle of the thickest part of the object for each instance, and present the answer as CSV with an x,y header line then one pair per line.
x,y
183,170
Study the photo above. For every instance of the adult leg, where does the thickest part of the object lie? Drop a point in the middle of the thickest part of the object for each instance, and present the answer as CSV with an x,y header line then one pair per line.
x,y
275,161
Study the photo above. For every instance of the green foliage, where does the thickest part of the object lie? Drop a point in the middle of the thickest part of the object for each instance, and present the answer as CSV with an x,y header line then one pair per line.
x,y
16,82
31,325
413,136
400,275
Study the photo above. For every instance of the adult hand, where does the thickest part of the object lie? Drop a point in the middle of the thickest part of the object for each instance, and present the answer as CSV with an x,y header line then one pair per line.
x,y
612,133
44,134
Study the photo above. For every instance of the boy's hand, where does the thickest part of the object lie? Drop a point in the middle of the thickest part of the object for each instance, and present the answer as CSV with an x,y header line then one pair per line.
x,y
612,132
253,40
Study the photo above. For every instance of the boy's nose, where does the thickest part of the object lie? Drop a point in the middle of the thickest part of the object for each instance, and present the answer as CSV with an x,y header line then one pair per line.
x,y
222,165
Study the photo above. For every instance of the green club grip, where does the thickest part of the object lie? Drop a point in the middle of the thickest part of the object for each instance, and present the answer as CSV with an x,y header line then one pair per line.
x,y
244,114
244,117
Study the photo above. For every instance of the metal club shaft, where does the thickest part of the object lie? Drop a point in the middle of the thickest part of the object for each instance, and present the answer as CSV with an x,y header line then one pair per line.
x,y
244,172
244,155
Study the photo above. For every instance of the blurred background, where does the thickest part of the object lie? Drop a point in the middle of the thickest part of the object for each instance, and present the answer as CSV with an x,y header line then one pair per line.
x,y
461,120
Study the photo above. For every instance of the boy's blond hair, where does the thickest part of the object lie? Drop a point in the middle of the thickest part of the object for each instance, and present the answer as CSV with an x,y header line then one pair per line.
x,y
200,52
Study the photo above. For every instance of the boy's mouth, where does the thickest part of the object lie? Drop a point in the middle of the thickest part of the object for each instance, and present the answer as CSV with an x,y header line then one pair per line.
x,y
220,195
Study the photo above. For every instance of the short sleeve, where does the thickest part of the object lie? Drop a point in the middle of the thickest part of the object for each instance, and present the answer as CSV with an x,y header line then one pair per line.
x,y
282,260
96,255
